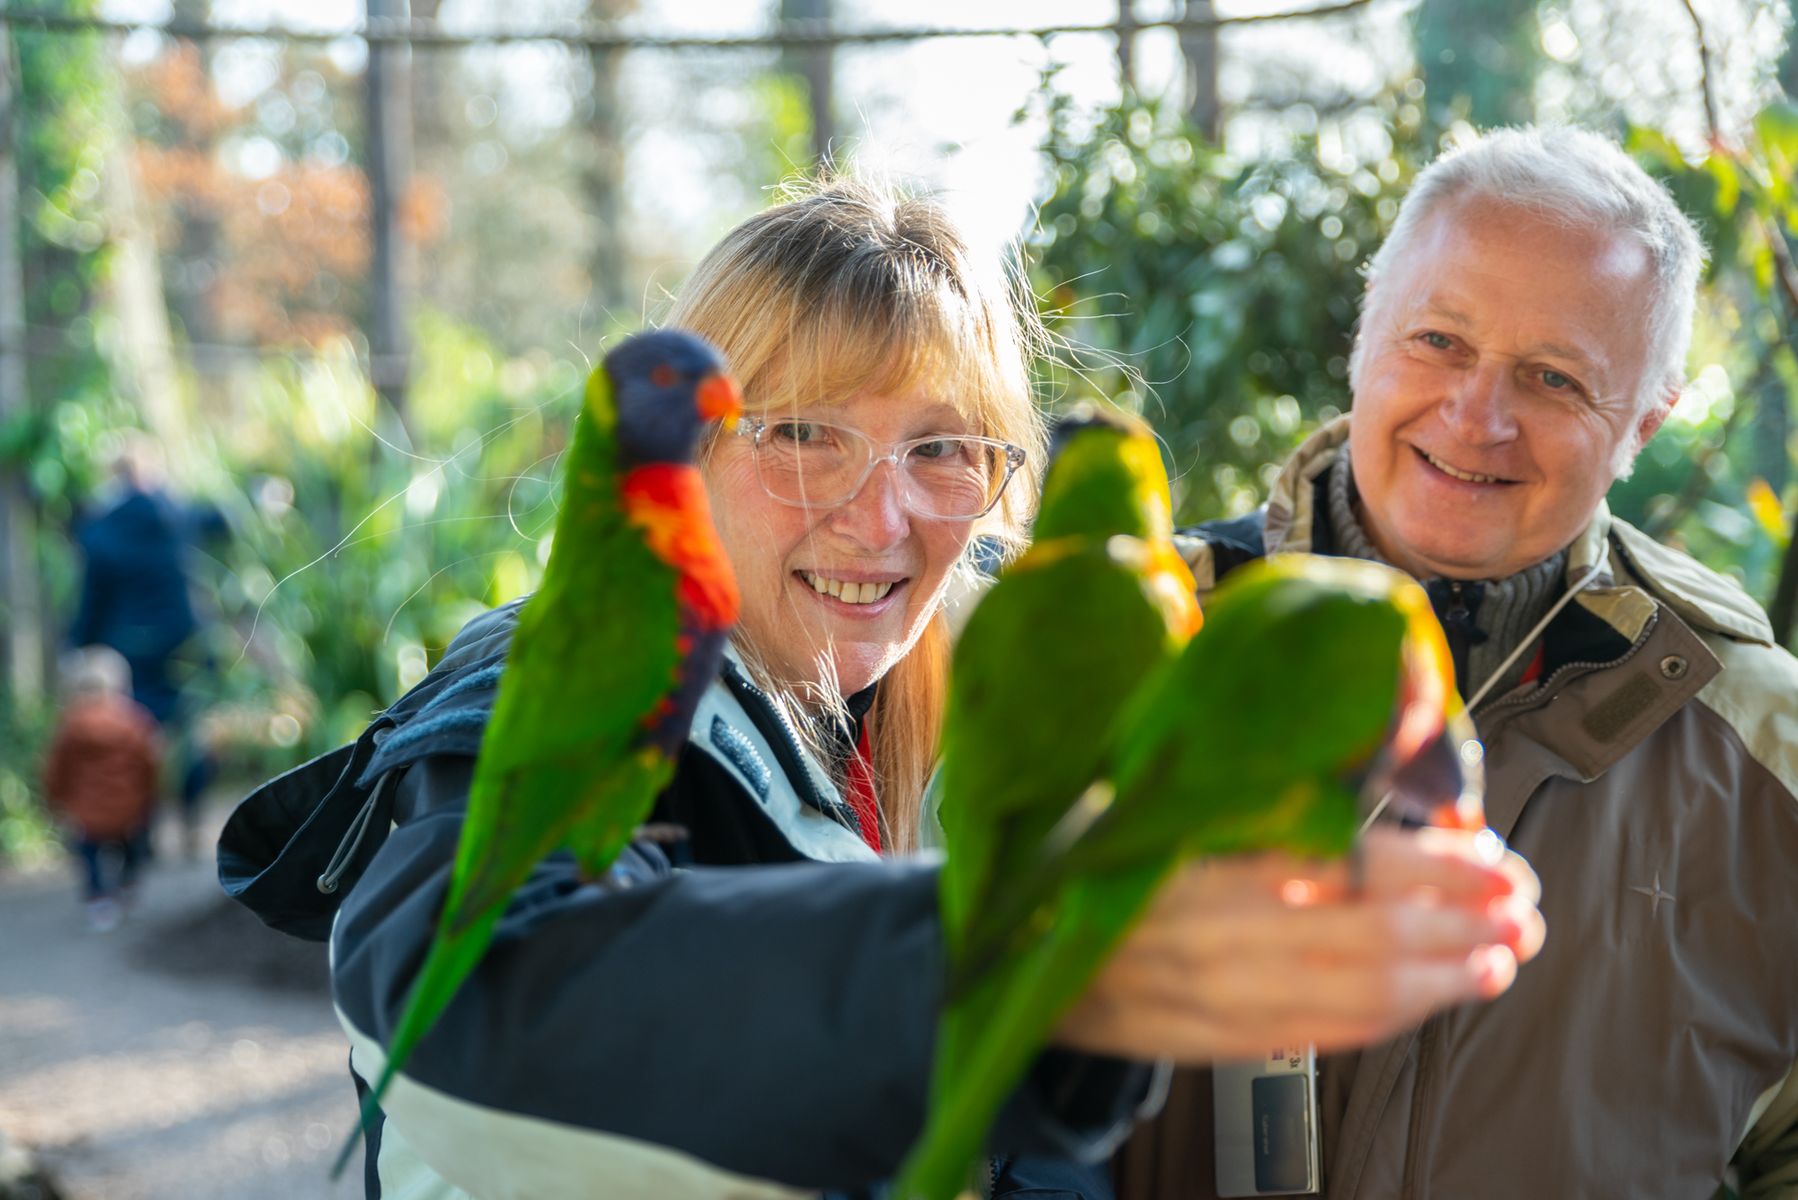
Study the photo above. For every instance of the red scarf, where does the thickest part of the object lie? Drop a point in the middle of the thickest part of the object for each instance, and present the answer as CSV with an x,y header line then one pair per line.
x,y
860,787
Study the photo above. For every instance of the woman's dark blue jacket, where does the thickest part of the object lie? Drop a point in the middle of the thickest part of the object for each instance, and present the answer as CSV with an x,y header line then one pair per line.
x,y
747,1012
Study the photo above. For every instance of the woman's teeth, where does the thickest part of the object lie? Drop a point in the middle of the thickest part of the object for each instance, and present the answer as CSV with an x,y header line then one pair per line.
x,y
846,591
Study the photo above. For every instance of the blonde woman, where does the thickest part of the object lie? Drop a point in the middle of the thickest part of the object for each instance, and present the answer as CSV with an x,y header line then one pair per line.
x,y
721,1031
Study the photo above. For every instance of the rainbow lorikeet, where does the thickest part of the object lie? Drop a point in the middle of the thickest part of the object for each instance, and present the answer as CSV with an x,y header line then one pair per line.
x,y
1060,642
607,663
1315,683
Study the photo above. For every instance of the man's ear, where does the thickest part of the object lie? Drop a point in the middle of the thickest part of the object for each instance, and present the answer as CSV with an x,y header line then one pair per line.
x,y
1649,423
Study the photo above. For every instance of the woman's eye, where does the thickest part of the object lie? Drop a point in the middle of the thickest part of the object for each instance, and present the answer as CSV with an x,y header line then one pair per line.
x,y
796,433
938,449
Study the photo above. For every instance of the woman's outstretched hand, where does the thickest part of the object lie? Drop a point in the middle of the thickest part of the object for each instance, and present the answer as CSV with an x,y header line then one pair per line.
x,y
1240,954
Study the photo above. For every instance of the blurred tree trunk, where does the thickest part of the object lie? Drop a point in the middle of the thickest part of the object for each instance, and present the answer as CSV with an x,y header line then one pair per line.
x,y
197,242
1126,48
1480,54
1770,453
1773,430
1773,407
389,166
137,297
429,68
813,64
1198,47
1788,62
1783,611
603,173
23,596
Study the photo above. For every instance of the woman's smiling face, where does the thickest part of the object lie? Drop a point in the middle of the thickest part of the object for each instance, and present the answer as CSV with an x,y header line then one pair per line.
x,y
834,597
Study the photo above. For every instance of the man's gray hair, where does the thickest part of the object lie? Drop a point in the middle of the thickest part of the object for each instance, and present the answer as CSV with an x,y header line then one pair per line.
x,y
1585,181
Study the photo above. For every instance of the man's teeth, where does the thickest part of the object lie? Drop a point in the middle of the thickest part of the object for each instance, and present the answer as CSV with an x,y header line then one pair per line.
x,y
1454,473
846,591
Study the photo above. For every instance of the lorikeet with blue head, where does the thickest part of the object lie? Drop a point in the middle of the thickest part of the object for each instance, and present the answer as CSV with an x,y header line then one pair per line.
x,y
607,663
1099,600
1316,687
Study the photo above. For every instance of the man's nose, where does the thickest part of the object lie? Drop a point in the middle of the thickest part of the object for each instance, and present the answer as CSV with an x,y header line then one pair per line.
x,y
875,516
1480,407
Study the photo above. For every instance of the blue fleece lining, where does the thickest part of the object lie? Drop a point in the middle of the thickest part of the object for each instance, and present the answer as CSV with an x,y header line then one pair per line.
x,y
485,677
434,727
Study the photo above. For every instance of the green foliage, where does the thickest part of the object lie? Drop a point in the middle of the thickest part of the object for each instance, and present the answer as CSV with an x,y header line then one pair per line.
x,y
1718,476
782,143
353,560
26,833
65,99
1479,61
1217,296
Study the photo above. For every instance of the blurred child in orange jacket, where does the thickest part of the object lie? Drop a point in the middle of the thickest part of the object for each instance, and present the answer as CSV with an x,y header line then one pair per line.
x,y
100,778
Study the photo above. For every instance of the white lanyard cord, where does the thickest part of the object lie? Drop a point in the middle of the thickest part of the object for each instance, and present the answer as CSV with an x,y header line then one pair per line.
x,y
1529,639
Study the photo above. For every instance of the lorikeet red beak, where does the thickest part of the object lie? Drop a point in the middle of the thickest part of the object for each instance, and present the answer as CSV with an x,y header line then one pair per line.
x,y
720,400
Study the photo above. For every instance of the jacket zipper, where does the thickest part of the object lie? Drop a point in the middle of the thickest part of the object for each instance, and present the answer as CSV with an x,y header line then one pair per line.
x,y
1426,1042
842,814
1457,623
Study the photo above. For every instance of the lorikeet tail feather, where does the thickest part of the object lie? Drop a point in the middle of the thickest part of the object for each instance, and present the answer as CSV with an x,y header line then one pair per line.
x,y
988,1040
449,962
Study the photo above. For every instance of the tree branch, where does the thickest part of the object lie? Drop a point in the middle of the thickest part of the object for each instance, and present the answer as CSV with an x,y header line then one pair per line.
x,y
1704,74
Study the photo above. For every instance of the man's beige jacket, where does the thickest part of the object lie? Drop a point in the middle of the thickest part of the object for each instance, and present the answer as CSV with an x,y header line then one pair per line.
x,y
1652,1043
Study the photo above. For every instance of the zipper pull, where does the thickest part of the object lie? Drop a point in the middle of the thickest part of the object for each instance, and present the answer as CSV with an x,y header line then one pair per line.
x,y
1451,599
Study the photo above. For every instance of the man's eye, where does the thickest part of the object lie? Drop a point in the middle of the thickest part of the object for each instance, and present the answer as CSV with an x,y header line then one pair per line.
x,y
1437,341
1559,382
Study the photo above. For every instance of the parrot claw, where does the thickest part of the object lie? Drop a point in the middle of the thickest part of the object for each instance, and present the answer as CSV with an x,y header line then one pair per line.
x,y
660,833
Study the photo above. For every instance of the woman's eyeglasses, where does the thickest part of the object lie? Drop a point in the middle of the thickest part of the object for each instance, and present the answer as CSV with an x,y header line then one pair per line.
x,y
817,465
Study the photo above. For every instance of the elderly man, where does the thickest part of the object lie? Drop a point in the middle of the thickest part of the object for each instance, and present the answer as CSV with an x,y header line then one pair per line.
x,y
1523,335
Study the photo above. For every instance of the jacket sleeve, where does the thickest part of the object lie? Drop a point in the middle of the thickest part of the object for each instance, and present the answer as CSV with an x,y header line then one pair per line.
x,y
772,1023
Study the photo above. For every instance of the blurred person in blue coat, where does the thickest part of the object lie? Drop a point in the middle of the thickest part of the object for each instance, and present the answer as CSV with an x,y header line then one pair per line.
x,y
136,598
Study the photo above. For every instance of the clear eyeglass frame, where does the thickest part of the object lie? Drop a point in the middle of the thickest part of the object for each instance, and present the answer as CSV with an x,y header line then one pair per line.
x,y
912,494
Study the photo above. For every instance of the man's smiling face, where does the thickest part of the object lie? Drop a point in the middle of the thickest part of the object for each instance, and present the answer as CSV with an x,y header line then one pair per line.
x,y
1496,388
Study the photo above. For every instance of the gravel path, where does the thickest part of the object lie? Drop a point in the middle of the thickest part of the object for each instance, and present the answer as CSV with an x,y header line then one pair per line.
x,y
190,1054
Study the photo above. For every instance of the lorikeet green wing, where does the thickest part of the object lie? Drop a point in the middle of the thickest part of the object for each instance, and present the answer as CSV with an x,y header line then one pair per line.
x,y
1099,598
1052,651
605,666
1309,675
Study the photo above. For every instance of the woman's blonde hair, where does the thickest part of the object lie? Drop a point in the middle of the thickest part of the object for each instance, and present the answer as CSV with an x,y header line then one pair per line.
x,y
851,285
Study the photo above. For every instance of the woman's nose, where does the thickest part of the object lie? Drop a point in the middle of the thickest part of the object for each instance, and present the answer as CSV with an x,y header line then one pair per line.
x,y
875,516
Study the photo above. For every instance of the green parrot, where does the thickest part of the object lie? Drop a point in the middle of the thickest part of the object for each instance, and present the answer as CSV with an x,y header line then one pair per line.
x,y
1102,572
1222,750
606,665
1019,743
